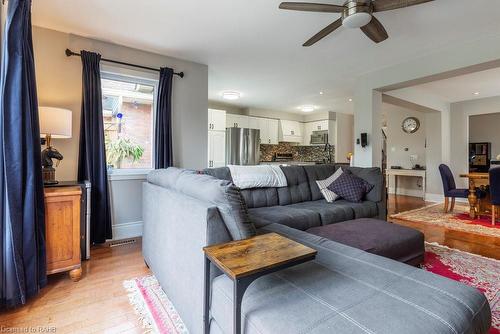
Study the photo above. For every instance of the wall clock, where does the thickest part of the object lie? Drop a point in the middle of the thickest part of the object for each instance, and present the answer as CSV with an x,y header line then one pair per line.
x,y
410,125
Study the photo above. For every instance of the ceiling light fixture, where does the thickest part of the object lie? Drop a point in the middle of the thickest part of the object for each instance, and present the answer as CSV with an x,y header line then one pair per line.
x,y
476,93
350,100
320,93
231,95
307,108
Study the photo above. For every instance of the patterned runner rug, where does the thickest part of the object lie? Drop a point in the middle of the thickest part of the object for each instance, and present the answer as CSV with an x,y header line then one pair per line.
x,y
458,219
158,315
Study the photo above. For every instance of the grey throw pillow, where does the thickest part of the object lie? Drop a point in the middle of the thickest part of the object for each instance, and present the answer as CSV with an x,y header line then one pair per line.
x,y
234,212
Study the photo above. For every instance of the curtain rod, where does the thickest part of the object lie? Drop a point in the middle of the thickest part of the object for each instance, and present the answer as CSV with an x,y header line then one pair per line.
x,y
70,53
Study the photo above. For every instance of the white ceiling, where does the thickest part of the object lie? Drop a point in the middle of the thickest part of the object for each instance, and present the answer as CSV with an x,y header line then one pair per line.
x,y
253,47
462,88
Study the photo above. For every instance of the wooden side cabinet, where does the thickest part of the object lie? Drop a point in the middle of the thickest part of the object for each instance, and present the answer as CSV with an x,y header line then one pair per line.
x,y
62,230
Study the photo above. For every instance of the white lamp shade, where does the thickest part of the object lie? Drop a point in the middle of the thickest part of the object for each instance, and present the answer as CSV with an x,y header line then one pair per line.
x,y
55,122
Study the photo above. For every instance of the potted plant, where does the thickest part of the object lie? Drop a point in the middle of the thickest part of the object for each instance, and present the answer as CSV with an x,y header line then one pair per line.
x,y
120,149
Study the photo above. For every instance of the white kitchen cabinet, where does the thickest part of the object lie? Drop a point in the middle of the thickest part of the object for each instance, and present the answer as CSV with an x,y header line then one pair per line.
x,y
216,148
272,131
290,131
323,125
216,120
291,128
237,121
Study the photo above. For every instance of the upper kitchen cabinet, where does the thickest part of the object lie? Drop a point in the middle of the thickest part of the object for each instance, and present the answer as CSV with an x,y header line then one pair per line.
x,y
237,121
323,125
216,120
290,131
272,131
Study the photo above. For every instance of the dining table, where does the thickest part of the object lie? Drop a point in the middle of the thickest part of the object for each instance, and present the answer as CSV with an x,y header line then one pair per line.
x,y
478,206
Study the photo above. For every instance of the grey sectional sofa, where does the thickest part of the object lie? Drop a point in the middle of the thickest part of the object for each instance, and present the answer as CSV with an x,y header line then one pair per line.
x,y
345,290
301,205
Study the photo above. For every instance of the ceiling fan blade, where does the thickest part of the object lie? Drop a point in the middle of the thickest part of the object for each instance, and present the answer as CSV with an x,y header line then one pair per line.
x,y
323,33
383,5
375,30
312,7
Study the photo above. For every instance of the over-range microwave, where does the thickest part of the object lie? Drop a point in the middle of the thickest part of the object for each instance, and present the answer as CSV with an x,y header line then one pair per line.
x,y
319,137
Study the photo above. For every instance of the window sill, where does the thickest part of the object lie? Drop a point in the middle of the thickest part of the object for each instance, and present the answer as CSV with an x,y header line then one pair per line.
x,y
128,174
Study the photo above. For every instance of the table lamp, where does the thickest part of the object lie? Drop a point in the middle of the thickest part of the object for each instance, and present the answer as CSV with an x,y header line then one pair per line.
x,y
54,123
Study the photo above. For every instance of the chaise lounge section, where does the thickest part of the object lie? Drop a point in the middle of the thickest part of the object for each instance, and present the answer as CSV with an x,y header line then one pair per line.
x,y
344,290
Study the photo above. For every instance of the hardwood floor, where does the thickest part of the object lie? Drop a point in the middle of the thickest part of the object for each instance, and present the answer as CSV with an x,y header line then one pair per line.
x,y
466,241
98,303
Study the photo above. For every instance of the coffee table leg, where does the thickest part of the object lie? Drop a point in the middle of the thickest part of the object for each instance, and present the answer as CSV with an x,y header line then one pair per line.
x,y
239,288
206,295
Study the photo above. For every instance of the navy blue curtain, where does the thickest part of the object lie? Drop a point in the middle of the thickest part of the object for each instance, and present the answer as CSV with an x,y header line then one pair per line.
x,y
22,239
163,130
92,157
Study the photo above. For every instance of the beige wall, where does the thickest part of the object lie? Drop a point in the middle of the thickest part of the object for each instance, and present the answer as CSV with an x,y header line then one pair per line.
x,y
401,145
59,85
486,128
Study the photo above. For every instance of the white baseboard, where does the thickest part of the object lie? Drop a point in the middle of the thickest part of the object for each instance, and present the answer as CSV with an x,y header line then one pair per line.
x,y
127,230
406,192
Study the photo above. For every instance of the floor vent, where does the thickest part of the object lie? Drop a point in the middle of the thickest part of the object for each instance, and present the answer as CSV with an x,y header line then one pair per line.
x,y
122,242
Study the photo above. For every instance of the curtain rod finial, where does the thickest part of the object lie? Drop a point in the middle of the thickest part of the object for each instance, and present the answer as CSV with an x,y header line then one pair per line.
x,y
181,74
69,52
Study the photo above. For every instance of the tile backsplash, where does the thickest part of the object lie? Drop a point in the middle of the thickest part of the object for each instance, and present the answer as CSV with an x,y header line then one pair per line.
x,y
300,153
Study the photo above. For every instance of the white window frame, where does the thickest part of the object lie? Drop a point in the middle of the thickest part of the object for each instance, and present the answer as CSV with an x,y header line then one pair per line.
x,y
141,77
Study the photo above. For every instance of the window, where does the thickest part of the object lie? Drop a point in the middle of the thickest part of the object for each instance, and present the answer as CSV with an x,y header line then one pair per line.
x,y
128,115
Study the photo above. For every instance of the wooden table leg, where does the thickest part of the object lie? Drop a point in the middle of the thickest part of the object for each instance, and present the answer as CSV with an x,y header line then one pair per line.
x,y
472,199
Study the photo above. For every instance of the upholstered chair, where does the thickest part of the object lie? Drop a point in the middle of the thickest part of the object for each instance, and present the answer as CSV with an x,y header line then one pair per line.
x,y
494,192
450,189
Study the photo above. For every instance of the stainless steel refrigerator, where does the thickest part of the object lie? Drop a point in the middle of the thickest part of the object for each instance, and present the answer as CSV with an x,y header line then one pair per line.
x,y
242,146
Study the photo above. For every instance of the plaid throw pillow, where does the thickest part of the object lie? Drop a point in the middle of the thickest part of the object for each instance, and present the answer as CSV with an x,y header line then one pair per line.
x,y
350,187
329,195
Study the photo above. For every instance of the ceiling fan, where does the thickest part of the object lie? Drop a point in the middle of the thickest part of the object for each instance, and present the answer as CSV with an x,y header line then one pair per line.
x,y
355,14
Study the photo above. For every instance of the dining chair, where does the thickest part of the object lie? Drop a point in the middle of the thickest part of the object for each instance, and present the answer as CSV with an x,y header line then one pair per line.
x,y
494,192
450,189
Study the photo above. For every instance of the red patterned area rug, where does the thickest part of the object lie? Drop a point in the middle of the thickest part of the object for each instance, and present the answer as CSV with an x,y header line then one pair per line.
x,y
158,315
458,219
474,270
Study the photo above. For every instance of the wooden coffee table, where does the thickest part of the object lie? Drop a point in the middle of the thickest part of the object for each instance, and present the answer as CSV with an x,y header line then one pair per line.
x,y
246,260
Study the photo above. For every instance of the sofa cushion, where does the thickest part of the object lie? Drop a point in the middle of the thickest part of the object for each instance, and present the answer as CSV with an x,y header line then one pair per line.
x,y
329,213
221,193
260,197
298,189
365,209
315,173
374,176
346,290
379,237
298,218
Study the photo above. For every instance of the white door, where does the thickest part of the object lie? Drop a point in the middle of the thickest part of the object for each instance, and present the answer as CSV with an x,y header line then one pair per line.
x,y
217,120
216,148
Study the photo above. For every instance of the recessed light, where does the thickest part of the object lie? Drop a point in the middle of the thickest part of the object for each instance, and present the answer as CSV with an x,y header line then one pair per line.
x,y
320,93
231,95
350,100
307,108
476,93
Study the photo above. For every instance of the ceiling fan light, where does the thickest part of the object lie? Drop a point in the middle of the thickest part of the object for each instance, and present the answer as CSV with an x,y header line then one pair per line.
x,y
307,108
229,95
357,20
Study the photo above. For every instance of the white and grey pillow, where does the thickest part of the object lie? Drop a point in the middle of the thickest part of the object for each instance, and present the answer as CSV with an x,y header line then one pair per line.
x,y
329,195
